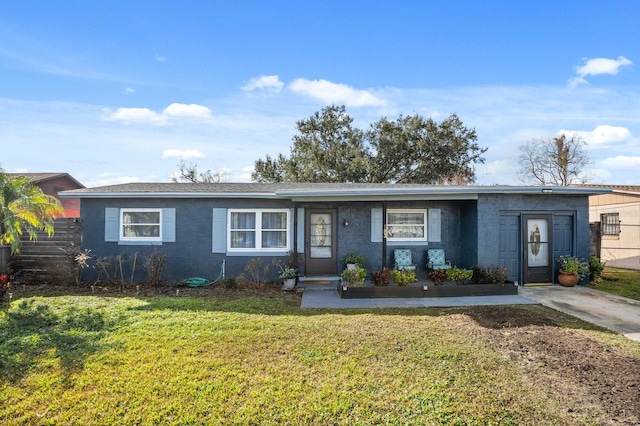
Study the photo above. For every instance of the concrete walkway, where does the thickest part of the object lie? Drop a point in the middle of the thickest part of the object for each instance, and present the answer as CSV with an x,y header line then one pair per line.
x,y
615,313
607,310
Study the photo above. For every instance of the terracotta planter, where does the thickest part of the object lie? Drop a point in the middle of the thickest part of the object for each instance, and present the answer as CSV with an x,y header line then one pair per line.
x,y
568,279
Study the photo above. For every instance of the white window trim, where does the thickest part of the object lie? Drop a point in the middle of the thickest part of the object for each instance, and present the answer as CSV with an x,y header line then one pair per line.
x,y
422,211
121,223
258,230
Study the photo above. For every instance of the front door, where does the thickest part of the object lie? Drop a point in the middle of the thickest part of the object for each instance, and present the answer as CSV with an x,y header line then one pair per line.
x,y
538,264
320,242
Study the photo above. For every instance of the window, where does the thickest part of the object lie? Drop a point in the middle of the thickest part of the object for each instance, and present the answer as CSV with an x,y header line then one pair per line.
x,y
141,224
407,225
266,230
610,223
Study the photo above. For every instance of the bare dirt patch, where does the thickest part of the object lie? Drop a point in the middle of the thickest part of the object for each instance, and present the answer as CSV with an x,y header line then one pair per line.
x,y
590,378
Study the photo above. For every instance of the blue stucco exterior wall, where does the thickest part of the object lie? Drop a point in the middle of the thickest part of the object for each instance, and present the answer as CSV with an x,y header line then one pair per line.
x,y
469,231
491,207
191,254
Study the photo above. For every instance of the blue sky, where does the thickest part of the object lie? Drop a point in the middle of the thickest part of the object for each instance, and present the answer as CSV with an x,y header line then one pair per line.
x,y
121,91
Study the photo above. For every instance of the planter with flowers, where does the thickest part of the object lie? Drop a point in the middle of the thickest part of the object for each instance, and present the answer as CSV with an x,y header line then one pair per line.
x,y
571,271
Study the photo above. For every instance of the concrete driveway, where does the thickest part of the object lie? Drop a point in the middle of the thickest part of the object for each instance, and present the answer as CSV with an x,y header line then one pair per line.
x,y
597,307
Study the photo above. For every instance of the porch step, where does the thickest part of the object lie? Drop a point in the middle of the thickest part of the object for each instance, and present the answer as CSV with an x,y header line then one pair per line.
x,y
318,283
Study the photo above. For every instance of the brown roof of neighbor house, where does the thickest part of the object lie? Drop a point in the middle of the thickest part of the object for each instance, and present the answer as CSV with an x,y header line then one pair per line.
x,y
41,177
627,189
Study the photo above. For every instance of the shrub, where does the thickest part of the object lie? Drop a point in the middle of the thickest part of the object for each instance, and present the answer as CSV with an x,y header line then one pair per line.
x,y
154,265
354,277
5,285
255,274
458,275
403,277
437,276
489,275
596,266
381,277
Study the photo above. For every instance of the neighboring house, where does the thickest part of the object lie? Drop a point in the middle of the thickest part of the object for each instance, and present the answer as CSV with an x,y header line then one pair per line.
x,y
198,225
617,216
52,184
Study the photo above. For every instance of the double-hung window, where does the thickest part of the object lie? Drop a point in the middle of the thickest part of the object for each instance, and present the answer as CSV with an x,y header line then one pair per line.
x,y
141,224
407,225
258,230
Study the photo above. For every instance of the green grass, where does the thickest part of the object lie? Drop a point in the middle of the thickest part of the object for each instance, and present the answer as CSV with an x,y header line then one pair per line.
x,y
256,360
623,282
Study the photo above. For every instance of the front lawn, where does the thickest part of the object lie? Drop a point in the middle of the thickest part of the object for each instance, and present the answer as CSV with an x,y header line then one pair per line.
x,y
623,282
234,359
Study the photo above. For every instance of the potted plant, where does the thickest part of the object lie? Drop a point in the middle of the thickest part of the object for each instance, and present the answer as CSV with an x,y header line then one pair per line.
x,y
354,259
288,274
354,277
572,270
596,266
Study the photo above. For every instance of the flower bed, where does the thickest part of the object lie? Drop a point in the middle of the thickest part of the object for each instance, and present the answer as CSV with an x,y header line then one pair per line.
x,y
431,290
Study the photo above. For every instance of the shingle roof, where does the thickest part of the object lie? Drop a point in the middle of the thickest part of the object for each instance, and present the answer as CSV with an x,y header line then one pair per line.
x,y
309,190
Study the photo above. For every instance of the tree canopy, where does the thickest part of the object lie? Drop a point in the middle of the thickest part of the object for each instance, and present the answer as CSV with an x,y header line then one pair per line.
x,y
410,149
24,207
557,161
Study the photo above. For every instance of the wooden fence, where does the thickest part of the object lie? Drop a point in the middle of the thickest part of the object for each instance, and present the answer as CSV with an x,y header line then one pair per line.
x,y
46,259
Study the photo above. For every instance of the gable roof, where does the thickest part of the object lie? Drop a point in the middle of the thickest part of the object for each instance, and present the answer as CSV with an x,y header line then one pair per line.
x,y
315,191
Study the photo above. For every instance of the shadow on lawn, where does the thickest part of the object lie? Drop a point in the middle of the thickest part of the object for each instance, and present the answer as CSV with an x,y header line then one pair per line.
x,y
31,330
493,317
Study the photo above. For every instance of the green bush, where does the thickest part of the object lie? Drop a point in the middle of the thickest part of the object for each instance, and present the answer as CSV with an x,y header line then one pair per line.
x,y
403,277
596,266
354,277
458,275
489,275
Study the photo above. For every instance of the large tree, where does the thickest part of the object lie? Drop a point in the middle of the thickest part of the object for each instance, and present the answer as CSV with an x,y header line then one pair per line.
x,y
24,207
557,161
327,148
411,149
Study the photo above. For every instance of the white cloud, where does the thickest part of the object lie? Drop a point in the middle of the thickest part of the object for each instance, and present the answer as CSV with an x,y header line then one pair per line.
x,y
598,66
602,136
621,162
160,58
129,90
269,83
145,115
335,93
136,115
182,153
184,110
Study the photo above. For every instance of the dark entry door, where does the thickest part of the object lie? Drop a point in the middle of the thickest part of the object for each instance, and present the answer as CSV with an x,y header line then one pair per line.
x,y
320,242
509,250
538,262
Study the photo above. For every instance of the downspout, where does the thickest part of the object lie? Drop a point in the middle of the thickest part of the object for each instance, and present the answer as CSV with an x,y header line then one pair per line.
x,y
384,234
